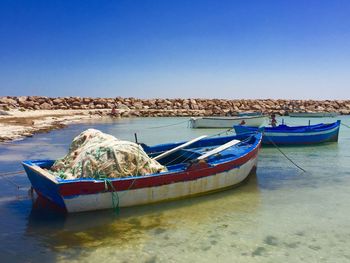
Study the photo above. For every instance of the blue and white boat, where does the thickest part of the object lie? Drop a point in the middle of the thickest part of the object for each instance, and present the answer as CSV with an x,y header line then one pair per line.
x,y
200,166
295,135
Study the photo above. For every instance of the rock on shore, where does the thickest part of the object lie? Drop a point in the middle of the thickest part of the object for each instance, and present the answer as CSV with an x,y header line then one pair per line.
x,y
134,107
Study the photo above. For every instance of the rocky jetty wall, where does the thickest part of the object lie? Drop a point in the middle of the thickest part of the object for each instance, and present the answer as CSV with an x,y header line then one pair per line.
x,y
128,107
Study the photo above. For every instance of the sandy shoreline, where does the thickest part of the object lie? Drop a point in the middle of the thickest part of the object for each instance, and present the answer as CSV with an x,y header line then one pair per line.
x,y
18,125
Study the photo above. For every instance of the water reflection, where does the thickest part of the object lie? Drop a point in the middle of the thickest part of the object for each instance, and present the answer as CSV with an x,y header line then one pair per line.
x,y
134,225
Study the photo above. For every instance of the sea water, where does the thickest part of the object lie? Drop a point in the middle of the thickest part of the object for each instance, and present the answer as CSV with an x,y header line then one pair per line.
x,y
281,214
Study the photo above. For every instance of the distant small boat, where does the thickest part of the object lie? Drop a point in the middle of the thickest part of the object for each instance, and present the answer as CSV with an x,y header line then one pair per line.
x,y
196,167
227,122
313,114
296,135
249,113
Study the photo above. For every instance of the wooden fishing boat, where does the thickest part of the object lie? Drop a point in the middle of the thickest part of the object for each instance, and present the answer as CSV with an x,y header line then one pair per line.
x,y
227,122
196,167
296,135
312,114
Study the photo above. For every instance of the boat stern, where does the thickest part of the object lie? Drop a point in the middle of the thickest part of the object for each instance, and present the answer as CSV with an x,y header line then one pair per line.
x,y
335,137
44,183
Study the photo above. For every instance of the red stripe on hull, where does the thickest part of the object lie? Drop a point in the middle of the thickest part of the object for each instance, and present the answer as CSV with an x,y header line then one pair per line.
x,y
192,173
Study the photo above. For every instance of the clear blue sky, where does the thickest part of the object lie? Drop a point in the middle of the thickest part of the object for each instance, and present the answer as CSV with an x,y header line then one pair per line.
x,y
147,48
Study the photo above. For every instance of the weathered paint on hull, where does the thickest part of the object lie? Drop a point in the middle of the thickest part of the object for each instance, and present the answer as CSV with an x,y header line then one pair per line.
x,y
142,196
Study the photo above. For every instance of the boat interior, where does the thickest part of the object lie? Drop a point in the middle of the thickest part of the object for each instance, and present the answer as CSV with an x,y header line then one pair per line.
x,y
191,153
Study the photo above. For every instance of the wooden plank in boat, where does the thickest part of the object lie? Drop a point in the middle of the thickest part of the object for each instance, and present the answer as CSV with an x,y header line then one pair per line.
x,y
218,149
162,155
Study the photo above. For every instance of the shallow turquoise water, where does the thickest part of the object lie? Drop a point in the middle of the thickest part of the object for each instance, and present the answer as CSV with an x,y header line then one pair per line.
x,y
280,215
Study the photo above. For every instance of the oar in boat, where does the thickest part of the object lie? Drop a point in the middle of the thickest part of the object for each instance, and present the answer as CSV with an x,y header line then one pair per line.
x,y
162,155
218,149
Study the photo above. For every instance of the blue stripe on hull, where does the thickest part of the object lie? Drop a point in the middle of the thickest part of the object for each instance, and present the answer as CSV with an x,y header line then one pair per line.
x,y
295,135
307,139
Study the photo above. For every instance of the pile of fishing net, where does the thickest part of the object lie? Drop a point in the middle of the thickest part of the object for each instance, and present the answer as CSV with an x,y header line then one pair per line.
x,y
94,154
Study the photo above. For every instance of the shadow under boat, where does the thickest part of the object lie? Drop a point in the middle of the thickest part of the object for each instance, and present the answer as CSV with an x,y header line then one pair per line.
x,y
52,225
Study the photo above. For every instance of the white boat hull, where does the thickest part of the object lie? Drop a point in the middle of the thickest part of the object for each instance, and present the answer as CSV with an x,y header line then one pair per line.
x,y
167,192
227,122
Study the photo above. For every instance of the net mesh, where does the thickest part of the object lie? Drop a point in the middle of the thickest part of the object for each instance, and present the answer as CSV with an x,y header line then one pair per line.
x,y
94,154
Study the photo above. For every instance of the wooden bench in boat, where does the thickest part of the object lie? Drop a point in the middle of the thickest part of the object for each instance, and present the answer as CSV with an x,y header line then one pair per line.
x,y
164,154
218,149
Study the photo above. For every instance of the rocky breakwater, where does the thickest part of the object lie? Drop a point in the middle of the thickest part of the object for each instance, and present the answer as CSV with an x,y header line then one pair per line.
x,y
26,115
133,107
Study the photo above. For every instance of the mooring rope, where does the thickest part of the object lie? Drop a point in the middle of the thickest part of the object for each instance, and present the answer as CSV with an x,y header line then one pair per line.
x,y
222,132
11,182
289,159
168,125
11,173
4,175
347,126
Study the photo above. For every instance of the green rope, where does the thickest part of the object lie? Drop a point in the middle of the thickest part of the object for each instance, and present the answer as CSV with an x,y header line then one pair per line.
x,y
99,175
61,174
115,196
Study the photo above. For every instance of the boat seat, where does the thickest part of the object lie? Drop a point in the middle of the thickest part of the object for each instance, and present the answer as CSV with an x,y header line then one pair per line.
x,y
178,148
218,149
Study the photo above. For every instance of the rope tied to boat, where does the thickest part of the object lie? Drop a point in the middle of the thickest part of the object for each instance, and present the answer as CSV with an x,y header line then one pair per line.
x,y
347,126
222,132
4,175
11,182
285,155
168,125
114,193
109,187
11,173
